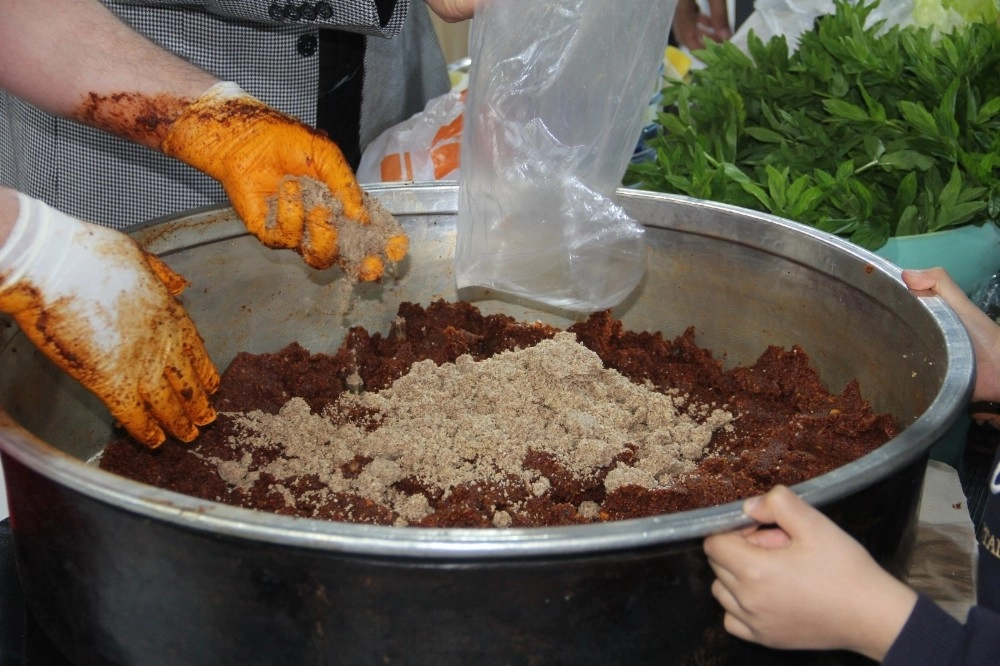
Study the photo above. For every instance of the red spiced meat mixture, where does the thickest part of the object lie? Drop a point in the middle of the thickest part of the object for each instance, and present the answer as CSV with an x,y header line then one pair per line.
x,y
456,419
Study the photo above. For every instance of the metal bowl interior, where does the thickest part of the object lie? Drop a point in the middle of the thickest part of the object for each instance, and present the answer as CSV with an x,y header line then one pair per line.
x,y
744,280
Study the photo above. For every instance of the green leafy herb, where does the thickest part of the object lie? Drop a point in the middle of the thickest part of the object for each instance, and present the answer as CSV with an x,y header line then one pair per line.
x,y
863,131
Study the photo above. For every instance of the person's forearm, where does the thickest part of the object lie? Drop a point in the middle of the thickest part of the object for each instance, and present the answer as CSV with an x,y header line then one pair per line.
x,y
74,58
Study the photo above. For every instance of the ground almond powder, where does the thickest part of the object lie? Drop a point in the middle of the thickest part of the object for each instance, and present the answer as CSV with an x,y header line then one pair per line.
x,y
471,421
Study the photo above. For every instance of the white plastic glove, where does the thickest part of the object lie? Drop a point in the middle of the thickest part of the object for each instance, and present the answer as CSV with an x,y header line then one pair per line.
x,y
104,311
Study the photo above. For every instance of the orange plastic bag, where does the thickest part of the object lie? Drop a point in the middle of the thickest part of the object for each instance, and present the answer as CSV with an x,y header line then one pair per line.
x,y
426,146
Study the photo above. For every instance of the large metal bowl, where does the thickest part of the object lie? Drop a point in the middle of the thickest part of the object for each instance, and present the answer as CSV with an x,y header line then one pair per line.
x,y
122,573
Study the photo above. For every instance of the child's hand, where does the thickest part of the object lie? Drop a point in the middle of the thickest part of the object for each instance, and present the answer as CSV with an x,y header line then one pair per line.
x,y
983,331
805,583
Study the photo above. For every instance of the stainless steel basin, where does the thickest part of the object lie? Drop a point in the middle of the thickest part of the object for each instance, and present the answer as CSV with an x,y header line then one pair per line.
x,y
125,573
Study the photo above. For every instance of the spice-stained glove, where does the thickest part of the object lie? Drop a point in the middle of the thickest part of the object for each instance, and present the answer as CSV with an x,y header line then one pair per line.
x,y
104,310
290,184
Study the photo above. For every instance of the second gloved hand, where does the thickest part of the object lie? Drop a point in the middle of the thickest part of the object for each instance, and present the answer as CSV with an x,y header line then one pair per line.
x,y
290,184
104,311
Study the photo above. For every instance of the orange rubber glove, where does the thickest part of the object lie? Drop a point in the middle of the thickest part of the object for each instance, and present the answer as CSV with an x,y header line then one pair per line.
x,y
104,311
270,164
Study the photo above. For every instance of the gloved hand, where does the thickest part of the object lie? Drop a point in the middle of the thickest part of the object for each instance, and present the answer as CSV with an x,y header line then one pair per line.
x,y
104,311
290,184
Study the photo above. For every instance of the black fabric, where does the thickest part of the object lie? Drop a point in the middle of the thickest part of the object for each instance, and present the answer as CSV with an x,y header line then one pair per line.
x,y
341,78
742,11
975,467
385,9
11,602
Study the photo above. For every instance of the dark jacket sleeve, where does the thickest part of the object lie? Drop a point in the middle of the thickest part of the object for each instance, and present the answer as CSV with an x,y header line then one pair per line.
x,y
931,637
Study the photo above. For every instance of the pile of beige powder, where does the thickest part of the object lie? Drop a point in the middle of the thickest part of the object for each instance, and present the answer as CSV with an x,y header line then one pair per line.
x,y
471,421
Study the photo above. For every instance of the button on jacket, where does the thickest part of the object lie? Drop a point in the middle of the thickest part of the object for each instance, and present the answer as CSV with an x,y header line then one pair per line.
x,y
270,48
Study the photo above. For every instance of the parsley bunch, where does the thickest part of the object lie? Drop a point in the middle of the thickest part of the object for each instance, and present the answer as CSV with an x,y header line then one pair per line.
x,y
863,131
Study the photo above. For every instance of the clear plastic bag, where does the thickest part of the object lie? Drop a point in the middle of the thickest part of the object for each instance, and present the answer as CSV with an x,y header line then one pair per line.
x,y
555,106
986,296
